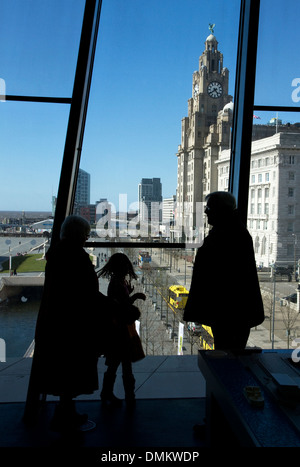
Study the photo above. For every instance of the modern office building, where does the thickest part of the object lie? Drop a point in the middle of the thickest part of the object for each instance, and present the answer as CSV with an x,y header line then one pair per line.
x,y
168,216
168,211
83,189
150,199
88,212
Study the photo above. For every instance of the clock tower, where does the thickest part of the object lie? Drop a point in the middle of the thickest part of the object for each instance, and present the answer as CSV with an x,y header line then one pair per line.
x,y
204,132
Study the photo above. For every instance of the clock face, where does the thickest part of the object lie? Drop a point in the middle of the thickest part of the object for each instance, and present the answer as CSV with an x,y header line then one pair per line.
x,y
215,89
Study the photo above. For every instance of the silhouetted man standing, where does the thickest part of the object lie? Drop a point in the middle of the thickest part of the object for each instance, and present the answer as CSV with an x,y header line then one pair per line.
x,y
224,292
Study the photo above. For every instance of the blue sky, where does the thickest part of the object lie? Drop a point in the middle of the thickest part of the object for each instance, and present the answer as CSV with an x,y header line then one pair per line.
x,y
146,55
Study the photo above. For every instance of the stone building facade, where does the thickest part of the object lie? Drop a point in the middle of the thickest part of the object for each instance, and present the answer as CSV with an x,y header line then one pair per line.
x,y
274,197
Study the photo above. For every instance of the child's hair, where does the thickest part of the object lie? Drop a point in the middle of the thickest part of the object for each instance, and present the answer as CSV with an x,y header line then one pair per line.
x,y
118,265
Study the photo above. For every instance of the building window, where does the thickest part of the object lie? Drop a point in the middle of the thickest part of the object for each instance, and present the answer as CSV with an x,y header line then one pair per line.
x,y
291,175
266,208
259,178
291,209
290,192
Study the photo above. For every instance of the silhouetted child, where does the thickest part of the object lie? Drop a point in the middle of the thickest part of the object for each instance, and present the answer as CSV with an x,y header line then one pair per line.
x,y
120,272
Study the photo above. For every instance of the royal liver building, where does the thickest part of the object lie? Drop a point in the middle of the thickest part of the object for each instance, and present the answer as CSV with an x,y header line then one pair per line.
x,y
204,132
204,165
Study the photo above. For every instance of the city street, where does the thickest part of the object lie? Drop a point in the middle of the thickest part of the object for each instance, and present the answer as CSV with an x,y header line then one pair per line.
x,y
180,272
285,316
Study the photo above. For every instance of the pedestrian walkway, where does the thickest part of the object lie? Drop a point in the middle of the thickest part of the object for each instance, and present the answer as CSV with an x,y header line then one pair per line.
x,y
260,337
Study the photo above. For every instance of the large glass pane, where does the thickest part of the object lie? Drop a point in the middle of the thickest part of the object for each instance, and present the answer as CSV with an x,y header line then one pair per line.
x,y
277,72
155,120
32,144
39,46
274,223
159,113
273,208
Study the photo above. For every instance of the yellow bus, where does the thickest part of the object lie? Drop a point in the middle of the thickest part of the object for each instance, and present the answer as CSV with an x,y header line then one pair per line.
x,y
206,338
178,296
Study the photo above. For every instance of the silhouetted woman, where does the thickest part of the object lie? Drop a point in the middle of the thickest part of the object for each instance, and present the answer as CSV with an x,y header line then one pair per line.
x,y
67,330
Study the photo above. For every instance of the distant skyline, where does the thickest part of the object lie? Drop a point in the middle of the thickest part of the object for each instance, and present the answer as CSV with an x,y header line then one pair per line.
x,y
145,57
